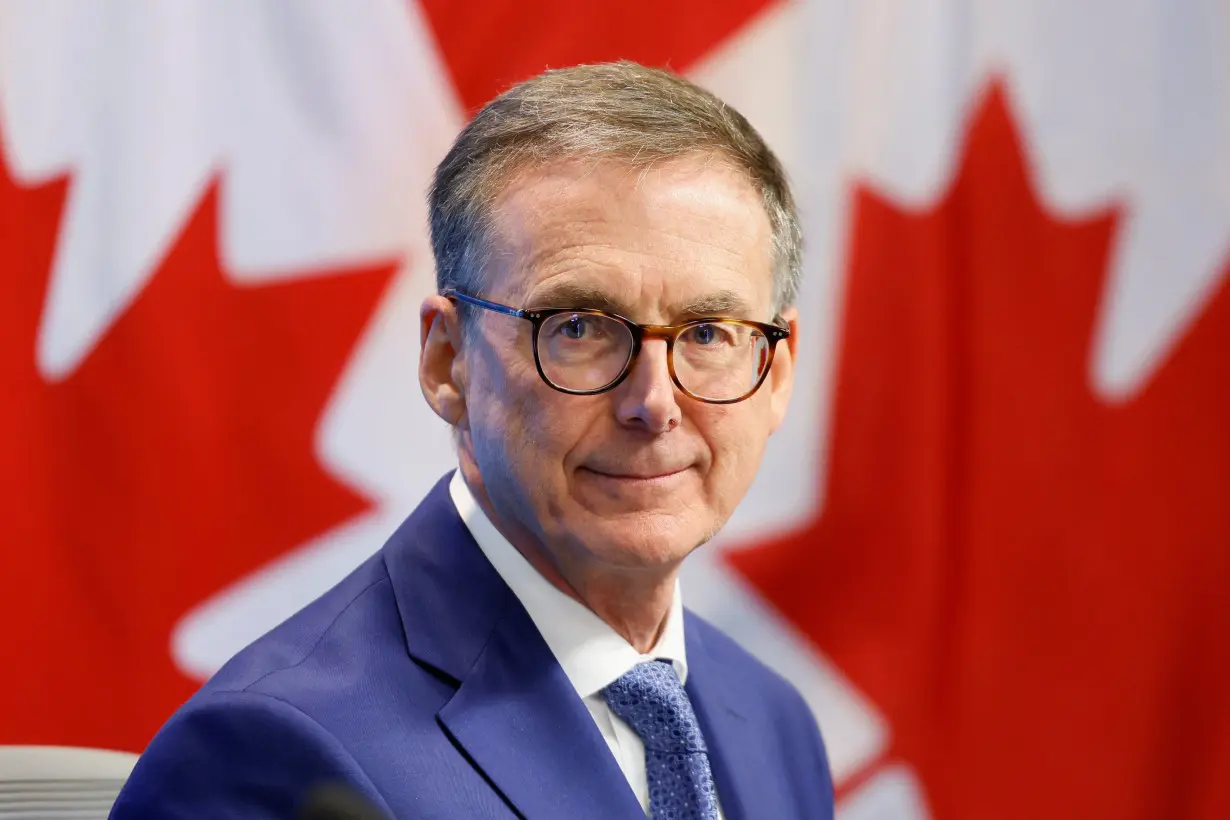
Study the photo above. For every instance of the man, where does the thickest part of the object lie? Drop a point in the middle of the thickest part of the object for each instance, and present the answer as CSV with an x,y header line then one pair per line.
x,y
617,255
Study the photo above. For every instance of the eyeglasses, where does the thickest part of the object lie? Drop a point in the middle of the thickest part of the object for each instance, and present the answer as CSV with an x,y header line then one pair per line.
x,y
584,352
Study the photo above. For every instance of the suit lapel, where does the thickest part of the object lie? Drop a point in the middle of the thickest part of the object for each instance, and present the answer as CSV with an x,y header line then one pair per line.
x,y
737,767
519,719
515,715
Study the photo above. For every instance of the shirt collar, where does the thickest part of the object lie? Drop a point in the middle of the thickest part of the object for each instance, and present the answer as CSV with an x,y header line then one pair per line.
x,y
591,653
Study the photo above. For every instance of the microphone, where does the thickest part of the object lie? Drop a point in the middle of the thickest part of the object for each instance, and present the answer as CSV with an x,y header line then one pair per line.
x,y
335,801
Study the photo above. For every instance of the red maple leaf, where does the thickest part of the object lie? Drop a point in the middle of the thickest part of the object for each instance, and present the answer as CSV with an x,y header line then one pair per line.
x,y
1029,580
490,44
177,458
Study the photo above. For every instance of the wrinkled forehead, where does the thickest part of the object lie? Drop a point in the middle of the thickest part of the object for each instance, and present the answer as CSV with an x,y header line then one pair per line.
x,y
685,236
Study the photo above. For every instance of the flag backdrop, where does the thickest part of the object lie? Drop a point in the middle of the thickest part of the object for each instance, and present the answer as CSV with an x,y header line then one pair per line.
x,y
991,545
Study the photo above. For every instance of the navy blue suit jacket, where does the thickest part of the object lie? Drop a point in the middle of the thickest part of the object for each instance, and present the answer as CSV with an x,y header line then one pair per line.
x,y
421,682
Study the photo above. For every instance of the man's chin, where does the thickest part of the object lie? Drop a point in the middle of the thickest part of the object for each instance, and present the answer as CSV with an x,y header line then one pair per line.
x,y
639,539
606,494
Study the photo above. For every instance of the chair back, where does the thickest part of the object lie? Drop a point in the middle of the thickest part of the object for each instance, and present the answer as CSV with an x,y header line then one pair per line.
x,y
60,782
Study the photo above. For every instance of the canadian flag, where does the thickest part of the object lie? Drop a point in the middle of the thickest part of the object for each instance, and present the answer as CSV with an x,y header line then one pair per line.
x,y
991,545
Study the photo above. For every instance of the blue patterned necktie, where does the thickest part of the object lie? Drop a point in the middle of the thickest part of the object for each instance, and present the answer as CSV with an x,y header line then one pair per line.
x,y
650,697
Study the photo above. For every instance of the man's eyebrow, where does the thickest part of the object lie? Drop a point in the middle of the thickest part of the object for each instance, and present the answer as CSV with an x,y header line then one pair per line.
x,y
577,295
718,303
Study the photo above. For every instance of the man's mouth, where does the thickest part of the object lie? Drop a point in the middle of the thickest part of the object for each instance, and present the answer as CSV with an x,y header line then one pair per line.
x,y
651,474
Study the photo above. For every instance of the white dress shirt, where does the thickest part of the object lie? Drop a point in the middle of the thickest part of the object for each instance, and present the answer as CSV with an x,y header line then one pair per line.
x,y
591,653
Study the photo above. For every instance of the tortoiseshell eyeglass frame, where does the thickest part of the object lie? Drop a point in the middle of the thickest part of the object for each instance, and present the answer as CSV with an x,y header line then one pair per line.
x,y
772,332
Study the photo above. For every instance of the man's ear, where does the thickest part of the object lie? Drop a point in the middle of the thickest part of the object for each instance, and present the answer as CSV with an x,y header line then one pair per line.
x,y
441,367
781,376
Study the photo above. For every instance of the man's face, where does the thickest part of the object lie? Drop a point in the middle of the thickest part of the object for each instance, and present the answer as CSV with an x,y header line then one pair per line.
x,y
640,475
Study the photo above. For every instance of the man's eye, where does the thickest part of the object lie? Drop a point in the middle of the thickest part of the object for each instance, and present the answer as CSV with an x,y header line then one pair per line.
x,y
576,327
706,334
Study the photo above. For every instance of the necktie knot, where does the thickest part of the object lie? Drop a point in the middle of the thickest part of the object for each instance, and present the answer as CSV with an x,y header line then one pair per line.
x,y
651,698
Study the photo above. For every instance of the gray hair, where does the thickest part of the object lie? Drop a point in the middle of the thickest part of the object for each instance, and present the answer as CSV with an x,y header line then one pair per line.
x,y
618,111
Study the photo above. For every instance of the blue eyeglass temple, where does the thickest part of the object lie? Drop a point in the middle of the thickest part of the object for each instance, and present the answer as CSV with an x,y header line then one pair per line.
x,y
483,303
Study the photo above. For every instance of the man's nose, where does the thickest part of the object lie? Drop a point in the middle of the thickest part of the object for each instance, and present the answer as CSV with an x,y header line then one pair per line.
x,y
646,399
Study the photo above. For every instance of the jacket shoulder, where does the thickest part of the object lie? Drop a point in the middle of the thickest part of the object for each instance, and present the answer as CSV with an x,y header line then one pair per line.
x,y
236,754
361,602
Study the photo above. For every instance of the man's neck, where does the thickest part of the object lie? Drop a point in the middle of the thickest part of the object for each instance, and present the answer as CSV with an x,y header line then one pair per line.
x,y
635,605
